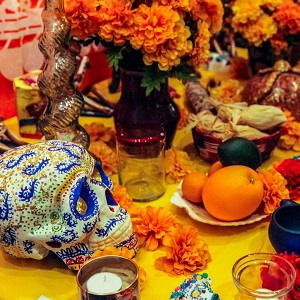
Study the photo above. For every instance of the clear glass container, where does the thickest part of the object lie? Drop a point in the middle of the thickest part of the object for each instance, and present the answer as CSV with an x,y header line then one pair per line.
x,y
263,276
141,161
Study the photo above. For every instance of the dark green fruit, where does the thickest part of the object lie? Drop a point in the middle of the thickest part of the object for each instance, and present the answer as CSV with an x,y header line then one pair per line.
x,y
239,151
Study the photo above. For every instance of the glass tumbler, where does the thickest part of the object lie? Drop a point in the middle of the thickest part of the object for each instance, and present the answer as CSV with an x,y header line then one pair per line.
x,y
263,276
141,161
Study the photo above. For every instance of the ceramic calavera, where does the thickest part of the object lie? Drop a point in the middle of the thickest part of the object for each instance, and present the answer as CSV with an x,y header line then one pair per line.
x,y
55,197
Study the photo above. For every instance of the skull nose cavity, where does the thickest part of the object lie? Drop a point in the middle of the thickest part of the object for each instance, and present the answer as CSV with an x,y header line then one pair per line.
x,y
54,244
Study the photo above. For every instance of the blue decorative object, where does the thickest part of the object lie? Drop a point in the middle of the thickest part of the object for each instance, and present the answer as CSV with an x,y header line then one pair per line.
x,y
284,228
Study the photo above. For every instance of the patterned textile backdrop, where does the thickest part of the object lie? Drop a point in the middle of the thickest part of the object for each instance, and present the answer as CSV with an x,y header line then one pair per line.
x,y
21,27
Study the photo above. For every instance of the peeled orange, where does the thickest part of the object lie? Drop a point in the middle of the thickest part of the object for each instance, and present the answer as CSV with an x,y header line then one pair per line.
x,y
192,185
214,167
232,193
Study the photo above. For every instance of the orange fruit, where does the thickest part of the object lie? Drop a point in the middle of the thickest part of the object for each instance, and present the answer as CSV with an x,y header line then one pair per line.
x,y
192,185
232,193
214,167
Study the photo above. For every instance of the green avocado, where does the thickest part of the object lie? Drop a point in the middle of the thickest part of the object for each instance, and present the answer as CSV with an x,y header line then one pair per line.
x,y
239,151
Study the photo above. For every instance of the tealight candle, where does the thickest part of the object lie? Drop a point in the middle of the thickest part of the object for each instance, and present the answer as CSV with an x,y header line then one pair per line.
x,y
104,283
109,277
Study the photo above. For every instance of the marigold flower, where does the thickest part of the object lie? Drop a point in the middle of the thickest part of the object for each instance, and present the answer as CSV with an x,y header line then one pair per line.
x,y
99,132
116,23
261,30
290,137
279,44
121,196
229,91
107,156
83,17
275,190
186,252
153,26
183,115
288,16
124,252
209,11
168,54
151,225
178,164
179,5
201,47
245,11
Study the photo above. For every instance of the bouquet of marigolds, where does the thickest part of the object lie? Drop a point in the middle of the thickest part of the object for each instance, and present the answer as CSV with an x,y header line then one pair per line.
x,y
273,21
162,38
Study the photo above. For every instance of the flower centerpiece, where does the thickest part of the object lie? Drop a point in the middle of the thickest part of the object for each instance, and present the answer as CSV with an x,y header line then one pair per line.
x,y
270,25
149,42
163,38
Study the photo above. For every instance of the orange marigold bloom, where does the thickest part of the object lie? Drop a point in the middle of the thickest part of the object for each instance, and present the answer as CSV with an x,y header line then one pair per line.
x,y
99,132
178,164
116,20
107,156
229,91
153,26
290,139
168,54
275,189
245,11
83,17
183,115
121,196
279,44
261,30
186,252
180,5
288,16
201,47
151,225
209,11
125,253
270,4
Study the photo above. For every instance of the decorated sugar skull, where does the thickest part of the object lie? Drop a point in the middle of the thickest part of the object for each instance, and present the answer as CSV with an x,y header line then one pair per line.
x,y
55,197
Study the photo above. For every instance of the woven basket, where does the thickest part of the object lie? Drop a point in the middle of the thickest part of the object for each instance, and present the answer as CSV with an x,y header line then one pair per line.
x,y
207,145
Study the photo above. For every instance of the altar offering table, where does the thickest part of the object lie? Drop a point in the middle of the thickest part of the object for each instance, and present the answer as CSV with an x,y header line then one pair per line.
x,y
24,279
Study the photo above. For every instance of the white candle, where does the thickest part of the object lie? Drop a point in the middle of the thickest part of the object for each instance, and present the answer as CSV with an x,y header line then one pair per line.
x,y
265,290
104,283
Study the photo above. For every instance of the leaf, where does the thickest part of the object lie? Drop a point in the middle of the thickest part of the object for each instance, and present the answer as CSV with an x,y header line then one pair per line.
x,y
184,72
114,55
153,77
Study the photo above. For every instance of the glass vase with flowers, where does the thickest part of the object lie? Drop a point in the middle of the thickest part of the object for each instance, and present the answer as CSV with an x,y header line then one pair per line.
x,y
159,38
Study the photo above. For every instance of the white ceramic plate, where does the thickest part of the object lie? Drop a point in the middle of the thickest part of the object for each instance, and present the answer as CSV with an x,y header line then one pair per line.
x,y
198,212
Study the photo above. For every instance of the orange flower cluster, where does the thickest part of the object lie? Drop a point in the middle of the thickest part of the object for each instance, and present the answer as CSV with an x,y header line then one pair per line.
x,y
178,164
186,252
167,33
267,20
102,146
228,91
275,186
290,137
121,196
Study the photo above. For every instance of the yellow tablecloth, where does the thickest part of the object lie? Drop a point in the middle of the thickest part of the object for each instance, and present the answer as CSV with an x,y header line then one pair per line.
x,y
26,279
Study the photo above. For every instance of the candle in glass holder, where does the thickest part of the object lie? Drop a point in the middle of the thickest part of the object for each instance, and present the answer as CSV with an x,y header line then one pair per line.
x,y
108,277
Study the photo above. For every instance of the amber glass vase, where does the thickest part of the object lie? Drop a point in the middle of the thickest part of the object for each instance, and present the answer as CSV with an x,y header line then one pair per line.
x,y
134,107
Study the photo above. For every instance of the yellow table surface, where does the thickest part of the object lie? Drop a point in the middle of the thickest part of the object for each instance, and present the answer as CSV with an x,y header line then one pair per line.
x,y
29,279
